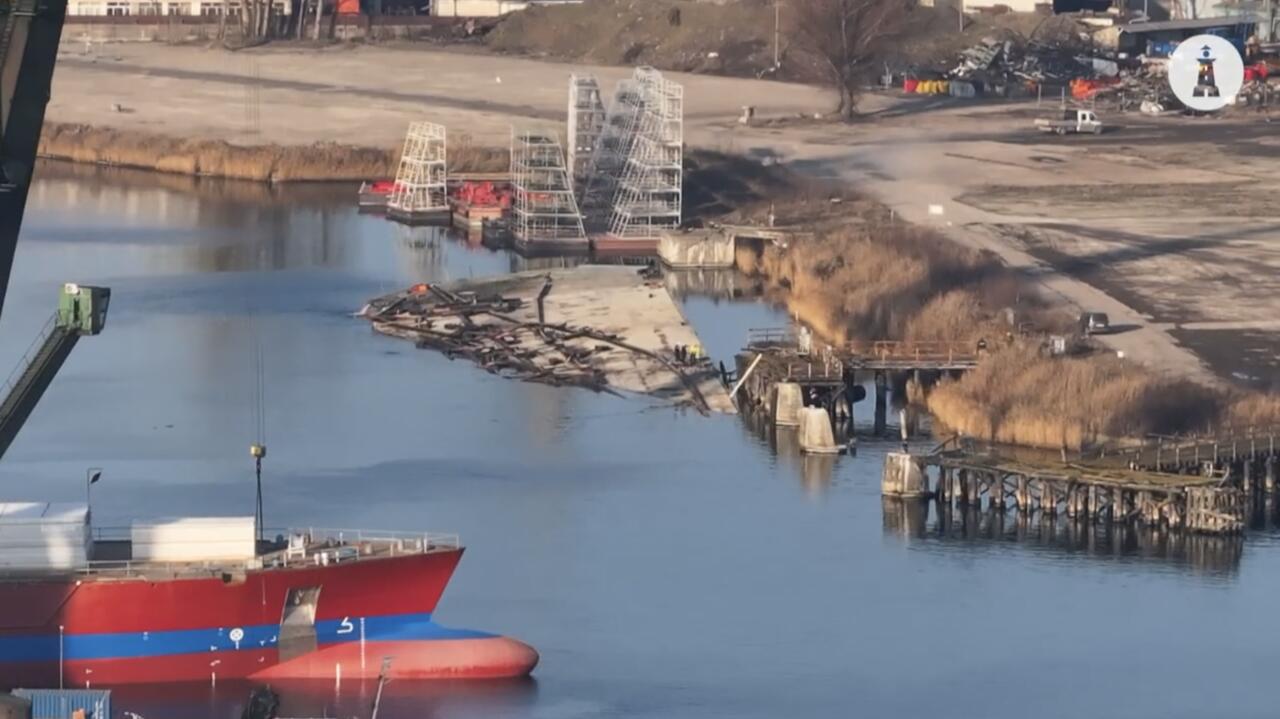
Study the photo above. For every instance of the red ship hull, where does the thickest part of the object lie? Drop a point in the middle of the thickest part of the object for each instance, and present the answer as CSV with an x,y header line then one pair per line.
x,y
100,631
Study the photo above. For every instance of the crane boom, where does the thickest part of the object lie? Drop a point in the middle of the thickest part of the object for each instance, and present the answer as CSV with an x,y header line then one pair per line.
x,y
82,311
29,33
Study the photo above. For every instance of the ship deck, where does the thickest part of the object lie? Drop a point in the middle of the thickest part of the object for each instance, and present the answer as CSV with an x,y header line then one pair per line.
x,y
113,557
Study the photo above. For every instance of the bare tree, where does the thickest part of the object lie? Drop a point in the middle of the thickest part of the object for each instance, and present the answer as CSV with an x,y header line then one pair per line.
x,y
843,38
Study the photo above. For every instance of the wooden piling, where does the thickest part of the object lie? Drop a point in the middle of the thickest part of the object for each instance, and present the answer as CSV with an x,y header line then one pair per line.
x,y
882,403
1111,498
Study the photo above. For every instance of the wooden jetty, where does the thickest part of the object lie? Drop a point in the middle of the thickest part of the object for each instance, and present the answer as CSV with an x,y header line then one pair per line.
x,y
830,376
1209,504
1249,454
915,522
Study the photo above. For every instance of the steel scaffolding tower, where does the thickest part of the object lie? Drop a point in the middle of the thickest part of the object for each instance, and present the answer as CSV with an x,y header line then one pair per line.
x,y
545,210
420,181
586,122
650,191
609,157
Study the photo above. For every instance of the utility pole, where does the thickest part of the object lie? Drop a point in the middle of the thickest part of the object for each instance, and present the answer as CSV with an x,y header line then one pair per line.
x,y
777,16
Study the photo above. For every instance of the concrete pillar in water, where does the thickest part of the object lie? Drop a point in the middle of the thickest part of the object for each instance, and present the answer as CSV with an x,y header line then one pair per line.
x,y
1247,474
787,404
882,403
1270,481
816,436
902,476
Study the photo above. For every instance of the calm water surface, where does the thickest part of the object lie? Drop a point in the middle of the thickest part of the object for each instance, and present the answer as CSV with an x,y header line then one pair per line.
x,y
664,563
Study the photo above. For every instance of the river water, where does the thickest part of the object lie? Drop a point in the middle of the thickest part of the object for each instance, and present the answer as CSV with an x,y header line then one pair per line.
x,y
665,564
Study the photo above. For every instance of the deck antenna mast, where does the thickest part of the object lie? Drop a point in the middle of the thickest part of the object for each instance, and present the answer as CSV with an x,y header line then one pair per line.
x,y
258,450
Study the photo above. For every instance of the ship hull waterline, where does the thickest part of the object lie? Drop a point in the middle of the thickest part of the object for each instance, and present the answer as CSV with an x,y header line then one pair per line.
x,y
103,632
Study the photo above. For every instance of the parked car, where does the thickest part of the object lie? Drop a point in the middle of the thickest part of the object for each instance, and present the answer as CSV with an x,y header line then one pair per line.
x,y
1071,121
1095,323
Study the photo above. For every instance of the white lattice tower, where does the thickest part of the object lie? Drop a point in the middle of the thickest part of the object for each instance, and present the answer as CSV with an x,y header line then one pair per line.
x,y
420,179
649,195
610,155
544,207
586,121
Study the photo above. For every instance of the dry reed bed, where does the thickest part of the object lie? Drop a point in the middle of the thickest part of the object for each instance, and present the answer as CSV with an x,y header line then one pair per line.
x,y
874,280
870,280
263,163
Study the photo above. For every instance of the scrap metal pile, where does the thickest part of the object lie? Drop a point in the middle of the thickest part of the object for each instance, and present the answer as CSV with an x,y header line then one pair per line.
x,y
1032,62
997,67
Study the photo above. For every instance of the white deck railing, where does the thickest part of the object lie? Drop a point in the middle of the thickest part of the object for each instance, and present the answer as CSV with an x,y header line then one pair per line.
x,y
301,547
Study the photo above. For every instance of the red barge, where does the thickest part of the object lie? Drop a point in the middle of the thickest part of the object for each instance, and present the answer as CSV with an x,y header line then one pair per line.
x,y
180,601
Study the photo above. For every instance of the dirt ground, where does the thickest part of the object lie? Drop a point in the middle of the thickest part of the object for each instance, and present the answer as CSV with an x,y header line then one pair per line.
x,y
1166,224
1169,225
358,95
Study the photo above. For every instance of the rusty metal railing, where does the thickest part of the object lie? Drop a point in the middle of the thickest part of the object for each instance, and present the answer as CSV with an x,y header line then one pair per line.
x,y
921,352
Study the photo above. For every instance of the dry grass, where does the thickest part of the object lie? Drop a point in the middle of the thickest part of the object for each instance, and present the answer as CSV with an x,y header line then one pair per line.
x,y
1253,410
872,280
264,163
1017,396
881,281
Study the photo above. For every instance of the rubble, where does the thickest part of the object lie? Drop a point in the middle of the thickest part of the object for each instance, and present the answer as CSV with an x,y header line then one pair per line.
x,y
1001,66
606,329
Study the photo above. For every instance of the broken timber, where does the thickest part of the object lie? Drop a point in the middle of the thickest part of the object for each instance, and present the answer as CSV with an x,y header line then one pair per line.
x,y
607,329
962,478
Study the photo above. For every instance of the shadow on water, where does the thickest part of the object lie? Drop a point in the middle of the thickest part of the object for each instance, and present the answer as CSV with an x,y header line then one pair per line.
x,y
922,523
403,699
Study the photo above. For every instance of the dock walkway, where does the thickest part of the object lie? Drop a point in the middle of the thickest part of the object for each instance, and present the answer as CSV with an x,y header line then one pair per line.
x,y
960,477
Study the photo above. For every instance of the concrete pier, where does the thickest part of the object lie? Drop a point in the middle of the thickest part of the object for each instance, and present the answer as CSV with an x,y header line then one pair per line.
x,y
696,249
788,403
816,436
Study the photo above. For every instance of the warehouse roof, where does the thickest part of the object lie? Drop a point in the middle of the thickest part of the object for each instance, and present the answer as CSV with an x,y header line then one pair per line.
x,y
1197,24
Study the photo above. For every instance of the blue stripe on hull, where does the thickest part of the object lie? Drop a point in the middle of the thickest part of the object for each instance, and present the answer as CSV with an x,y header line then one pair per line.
x,y
135,645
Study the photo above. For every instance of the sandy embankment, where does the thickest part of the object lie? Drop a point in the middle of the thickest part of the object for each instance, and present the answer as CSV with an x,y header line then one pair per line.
x,y
327,161
336,113
215,158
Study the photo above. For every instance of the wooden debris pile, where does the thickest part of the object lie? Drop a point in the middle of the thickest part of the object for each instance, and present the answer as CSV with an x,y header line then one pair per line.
x,y
502,326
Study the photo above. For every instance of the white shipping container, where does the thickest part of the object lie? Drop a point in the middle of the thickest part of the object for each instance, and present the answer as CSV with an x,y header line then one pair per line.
x,y
194,539
40,535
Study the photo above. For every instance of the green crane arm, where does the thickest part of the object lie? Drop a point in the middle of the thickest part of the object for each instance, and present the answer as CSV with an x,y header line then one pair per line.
x,y
81,311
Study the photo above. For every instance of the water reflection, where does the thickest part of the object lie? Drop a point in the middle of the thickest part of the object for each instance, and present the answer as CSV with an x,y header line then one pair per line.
x,y
400,700
720,284
815,472
927,523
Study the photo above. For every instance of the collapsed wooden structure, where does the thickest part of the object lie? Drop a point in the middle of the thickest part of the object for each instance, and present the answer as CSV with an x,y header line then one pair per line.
x,y
607,329
966,477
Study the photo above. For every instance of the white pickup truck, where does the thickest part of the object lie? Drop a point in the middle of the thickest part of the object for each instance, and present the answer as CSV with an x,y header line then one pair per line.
x,y
1071,121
